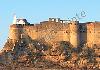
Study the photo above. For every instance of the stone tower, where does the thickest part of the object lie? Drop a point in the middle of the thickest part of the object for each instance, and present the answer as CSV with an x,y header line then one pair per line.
x,y
16,30
74,33
90,34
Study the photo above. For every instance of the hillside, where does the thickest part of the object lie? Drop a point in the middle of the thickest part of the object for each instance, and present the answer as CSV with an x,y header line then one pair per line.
x,y
22,54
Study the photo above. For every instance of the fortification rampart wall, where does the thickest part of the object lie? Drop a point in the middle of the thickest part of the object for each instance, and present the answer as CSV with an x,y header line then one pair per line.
x,y
52,31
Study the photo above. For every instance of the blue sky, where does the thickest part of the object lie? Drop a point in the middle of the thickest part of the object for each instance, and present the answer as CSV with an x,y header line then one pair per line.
x,y
39,10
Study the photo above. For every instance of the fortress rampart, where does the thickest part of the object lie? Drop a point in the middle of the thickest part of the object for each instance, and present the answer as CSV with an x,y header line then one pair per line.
x,y
56,30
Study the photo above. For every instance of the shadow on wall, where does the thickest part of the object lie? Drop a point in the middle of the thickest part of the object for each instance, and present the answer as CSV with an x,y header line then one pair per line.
x,y
82,34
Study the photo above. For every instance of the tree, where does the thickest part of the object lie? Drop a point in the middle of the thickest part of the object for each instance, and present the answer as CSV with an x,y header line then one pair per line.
x,y
66,48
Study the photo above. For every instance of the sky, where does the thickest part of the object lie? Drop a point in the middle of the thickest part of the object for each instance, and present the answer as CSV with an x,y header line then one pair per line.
x,y
39,10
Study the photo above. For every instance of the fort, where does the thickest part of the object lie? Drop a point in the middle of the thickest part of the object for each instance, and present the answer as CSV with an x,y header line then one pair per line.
x,y
55,30
53,43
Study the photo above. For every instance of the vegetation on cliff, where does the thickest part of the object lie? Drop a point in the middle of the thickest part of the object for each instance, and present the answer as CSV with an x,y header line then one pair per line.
x,y
35,54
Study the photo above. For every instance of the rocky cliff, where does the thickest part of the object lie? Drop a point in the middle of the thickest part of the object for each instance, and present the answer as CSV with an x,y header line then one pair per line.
x,y
36,54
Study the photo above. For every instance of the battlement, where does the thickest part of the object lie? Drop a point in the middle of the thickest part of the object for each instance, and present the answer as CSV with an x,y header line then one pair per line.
x,y
61,21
